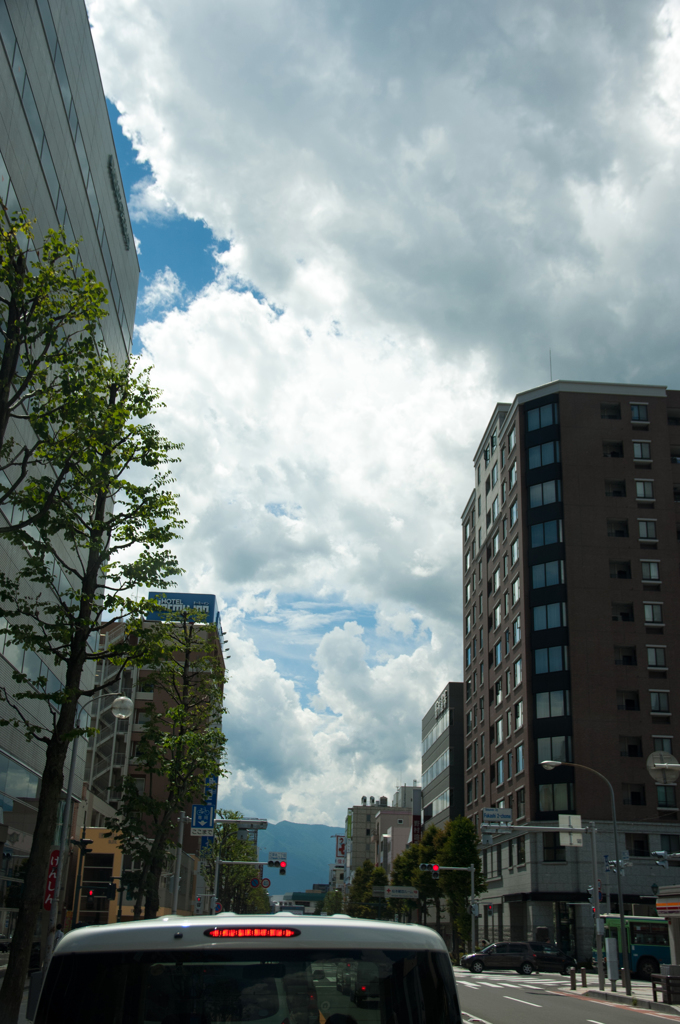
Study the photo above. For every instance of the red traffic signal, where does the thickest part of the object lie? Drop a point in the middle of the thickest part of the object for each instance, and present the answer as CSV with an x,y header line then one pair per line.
x,y
433,868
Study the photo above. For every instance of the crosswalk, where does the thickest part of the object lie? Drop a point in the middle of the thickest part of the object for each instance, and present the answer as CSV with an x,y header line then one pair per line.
x,y
537,982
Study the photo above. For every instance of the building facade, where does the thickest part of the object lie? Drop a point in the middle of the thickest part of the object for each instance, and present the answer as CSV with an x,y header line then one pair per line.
x,y
442,757
58,161
571,597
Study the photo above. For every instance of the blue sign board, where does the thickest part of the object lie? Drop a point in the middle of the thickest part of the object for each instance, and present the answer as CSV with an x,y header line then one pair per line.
x,y
204,604
202,816
206,842
210,790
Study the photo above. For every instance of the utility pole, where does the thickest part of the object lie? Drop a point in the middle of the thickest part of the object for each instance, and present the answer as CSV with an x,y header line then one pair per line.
x,y
178,861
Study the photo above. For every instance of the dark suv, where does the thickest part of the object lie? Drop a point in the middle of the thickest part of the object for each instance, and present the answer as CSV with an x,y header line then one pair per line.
x,y
523,957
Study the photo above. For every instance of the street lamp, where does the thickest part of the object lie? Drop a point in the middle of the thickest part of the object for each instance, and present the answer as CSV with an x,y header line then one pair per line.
x,y
549,765
121,708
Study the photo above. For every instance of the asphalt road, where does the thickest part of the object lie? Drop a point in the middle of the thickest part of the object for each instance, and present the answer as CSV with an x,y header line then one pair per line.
x,y
506,998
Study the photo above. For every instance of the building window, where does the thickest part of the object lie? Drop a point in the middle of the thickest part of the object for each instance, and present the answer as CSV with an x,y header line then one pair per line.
x,y
544,416
495,508
496,580
553,704
468,655
516,631
620,571
544,454
499,691
615,488
482,746
660,701
498,654
521,811
519,751
481,705
634,794
610,411
514,551
508,722
630,746
468,624
519,714
546,533
625,656
517,669
499,731
664,743
647,529
617,527
475,751
466,529
508,687
441,802
512,474
545,494
481,638
468,722
639,413
512,438
554,748
509,765
642,451
469,792
500,766
482,781
497,616
436,768
550,659
494,474
550,616
656,657
494,544
651,570
515,590
665,796
556,796
552,851
469,756
547,574
476,785
670,843
644,490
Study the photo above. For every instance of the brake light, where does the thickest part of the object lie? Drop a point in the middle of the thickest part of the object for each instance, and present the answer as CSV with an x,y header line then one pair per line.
x,y
251,933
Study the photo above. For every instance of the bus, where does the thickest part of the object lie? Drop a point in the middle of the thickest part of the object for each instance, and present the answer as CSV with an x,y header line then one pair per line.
x,y
648,944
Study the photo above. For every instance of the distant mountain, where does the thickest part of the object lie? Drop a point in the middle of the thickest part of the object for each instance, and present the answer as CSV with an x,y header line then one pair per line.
x,y
310,850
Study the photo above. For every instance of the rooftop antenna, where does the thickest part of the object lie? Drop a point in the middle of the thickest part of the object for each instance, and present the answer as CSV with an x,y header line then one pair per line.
x,y
550,357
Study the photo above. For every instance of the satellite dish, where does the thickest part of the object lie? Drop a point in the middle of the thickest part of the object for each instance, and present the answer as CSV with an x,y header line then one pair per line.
x,y
664,768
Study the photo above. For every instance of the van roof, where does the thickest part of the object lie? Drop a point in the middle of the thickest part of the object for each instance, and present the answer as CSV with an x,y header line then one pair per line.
x,y
318,932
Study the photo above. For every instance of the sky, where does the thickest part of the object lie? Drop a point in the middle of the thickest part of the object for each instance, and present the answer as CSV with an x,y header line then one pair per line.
x,y
360,226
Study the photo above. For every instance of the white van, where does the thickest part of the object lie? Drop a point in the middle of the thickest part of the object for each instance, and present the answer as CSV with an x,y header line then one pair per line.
x,y
228,969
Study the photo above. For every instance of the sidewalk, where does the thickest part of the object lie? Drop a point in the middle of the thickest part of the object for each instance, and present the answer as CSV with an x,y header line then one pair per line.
x,y
641,993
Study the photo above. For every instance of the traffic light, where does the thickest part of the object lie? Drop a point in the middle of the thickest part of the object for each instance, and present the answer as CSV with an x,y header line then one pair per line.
x,y
282,867
89,902
432,868
111,891
280,864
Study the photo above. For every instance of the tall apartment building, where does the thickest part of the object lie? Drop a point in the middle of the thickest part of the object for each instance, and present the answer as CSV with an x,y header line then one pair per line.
x,y
571,597
58,160
442,757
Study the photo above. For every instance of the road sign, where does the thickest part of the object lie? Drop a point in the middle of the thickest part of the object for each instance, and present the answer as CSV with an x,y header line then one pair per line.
x,y
206,842
254,882
277,856
570,821
266,882
396,892
496,816
202,820
218,908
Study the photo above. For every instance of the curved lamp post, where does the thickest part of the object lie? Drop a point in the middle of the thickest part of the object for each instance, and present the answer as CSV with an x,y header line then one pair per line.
x,y
549,765
121,707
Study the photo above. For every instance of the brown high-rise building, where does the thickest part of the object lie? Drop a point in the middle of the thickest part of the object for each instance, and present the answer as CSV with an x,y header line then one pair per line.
x,y
571,595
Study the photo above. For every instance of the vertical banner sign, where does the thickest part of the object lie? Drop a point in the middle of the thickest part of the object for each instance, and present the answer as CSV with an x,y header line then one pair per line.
x,y
417,829
210,790
340,851
51,880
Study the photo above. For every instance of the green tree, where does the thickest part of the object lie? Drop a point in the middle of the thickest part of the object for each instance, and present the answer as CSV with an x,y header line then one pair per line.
x,y
333,902
182,743
235,891
360,895
50,314
101,535
458,848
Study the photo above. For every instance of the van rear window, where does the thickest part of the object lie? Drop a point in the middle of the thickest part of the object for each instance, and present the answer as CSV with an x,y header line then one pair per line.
x,y
238,986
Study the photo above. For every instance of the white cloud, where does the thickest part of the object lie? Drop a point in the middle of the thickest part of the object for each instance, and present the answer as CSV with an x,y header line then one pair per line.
x,y
165,290
429,198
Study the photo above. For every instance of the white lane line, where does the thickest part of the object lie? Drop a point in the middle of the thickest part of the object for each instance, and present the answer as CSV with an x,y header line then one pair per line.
x,y
468,984
491,984
525,1001
474,1019
594,1021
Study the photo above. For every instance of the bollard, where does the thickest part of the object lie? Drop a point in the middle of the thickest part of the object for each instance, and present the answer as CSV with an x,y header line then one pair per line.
x,y
572,978
584,983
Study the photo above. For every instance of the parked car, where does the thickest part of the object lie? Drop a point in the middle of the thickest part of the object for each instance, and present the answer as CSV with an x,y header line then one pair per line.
x,y
523,957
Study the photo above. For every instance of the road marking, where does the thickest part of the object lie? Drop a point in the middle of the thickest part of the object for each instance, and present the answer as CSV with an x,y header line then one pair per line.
x,y
525,1001
474,1019
491,984
594,1021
